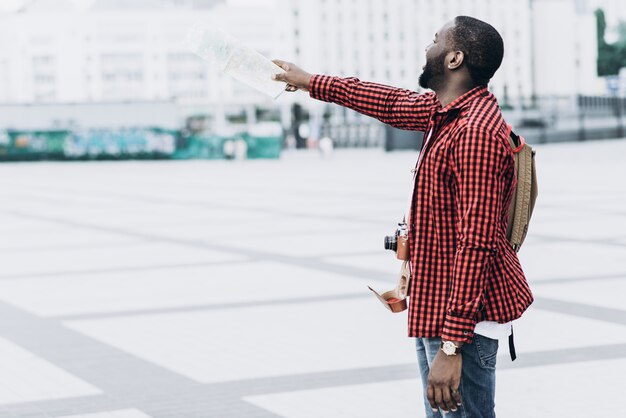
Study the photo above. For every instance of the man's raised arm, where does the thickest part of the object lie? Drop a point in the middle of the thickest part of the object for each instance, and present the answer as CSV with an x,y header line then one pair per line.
x,y
404,109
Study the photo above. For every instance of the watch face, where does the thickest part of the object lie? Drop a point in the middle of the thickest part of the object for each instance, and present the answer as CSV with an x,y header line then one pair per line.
x,y
449,348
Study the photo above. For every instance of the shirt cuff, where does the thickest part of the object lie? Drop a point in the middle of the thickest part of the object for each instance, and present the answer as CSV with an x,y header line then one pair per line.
x,y
320,87
458,329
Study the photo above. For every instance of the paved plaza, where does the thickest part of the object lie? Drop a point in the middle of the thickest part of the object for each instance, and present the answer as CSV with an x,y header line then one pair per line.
x,y
223,289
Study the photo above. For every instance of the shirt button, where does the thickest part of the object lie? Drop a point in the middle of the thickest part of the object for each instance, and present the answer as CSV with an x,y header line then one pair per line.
x,y
465,332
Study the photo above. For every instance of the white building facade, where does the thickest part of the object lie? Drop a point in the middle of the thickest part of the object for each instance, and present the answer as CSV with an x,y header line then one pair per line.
x,y
55,51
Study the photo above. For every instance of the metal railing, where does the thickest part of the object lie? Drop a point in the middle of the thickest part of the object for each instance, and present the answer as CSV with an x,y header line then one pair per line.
x,y
573,118
366,134
542,120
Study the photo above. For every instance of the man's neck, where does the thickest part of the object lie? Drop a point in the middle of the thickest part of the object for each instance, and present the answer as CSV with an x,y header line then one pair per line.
x,y
450,93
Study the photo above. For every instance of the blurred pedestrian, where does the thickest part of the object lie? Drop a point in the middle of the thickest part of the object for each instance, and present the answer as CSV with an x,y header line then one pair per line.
x,y
228,149
241,149
467,283
326,146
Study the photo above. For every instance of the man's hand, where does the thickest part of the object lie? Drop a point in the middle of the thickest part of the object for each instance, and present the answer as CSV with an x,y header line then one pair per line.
x,y
296,78
443,382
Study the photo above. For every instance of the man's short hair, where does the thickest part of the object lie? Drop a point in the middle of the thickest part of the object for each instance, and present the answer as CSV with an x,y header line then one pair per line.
x,y
481,45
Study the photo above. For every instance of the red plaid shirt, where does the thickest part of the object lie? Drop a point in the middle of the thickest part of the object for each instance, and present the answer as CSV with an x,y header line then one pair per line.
x,y
464,269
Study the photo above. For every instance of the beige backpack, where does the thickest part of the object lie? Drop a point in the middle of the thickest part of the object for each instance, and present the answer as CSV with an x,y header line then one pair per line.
x,y
525,195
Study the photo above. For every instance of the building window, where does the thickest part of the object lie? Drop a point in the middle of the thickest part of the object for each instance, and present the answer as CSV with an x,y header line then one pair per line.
x,y
44,79
122,75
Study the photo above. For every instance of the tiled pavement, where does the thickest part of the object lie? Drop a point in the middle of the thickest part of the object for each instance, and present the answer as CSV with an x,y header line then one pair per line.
x,y
217,289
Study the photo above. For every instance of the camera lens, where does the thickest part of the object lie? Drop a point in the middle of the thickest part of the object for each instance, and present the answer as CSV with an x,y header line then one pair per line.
x,y
391,243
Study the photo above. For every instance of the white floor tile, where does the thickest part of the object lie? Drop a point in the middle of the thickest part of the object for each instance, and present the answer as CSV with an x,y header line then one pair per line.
x,y
384,262
608,293
25,377
303,245
93,259
123,413
401,398
570,260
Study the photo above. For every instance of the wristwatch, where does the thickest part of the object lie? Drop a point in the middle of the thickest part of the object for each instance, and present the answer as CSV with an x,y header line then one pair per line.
x,y
449,348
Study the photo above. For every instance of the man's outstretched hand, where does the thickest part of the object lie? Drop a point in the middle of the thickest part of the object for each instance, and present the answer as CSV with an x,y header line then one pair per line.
x,y
295,77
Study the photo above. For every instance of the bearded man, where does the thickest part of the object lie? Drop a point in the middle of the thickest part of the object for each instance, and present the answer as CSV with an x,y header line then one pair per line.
x,y
467,284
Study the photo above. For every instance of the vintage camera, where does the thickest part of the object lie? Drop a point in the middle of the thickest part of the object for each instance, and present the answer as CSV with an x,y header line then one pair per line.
x,y
399,242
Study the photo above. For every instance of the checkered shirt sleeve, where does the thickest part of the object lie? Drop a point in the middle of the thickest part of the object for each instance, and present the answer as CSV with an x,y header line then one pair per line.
x,y
401,108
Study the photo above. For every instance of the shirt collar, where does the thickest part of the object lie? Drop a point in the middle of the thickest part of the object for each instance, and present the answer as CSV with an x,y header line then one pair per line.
x,y
465,99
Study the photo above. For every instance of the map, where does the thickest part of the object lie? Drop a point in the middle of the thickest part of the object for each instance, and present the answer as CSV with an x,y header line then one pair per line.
x,y
236,59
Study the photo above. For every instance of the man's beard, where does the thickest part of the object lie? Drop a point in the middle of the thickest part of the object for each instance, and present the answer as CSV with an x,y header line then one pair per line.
x,y
433,73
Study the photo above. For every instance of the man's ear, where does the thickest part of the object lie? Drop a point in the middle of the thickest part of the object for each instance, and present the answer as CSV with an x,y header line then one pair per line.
x,y
455,59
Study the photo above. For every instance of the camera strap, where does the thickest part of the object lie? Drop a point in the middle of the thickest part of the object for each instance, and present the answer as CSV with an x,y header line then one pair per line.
x,y
414,170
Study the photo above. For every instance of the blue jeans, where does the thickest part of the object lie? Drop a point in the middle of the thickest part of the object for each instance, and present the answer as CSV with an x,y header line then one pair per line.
x,y
478,376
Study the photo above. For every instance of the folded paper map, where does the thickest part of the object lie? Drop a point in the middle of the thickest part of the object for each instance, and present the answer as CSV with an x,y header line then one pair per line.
x,y
236,59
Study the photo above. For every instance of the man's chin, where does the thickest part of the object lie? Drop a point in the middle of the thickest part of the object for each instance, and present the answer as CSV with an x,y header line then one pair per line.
x,y
423,81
